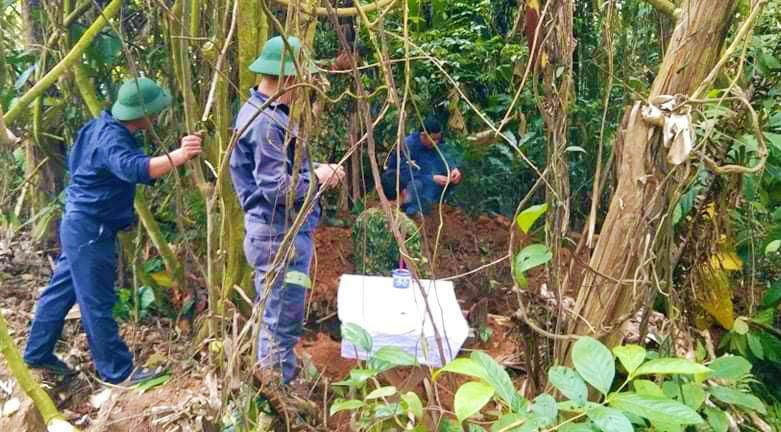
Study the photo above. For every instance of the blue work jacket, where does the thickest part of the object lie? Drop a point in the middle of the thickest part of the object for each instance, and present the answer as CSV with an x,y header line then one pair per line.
x,y
261,167
426,162
105,164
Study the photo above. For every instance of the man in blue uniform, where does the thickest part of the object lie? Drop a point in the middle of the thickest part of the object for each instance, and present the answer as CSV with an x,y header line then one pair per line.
x,y
424,170
261,167
105,164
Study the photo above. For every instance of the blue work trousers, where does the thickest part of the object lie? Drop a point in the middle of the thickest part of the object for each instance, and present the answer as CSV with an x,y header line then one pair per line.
x,y
283,306
85,273
422,192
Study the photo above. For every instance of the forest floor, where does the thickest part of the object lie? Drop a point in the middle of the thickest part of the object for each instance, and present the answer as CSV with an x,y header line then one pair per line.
x,y
192,397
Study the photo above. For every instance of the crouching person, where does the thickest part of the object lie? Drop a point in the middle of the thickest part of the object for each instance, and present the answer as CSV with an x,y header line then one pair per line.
x,y
105,164
261,168
424,171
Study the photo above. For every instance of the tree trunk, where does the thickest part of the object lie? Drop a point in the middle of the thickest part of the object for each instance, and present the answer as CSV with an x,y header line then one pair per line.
x,y
556,68
624,257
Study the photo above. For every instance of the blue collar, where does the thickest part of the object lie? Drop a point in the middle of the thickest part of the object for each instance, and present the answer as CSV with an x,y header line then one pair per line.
x,y
254,93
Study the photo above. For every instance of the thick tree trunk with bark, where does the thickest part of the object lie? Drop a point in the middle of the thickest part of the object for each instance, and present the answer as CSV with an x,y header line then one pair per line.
x,y
621,277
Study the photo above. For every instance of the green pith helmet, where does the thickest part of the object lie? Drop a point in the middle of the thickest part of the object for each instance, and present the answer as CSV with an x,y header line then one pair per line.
x,y
271,62
139,97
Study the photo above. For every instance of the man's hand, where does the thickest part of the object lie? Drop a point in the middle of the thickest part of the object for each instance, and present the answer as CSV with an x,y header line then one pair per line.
x,y
191,146
456,176
161,165
329,174
441,180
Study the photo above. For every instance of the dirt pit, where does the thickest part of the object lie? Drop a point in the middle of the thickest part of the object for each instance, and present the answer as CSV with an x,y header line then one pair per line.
x,y
191,399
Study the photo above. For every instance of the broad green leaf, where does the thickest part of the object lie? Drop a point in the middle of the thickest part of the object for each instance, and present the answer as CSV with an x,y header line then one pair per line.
x,y
381,392
631,356
736,397
670,366
356,335
298,278
773,295
594,363
464,366
395,356
569,383
345,405
545,408
383,411
755,345
147,297
526,218
730,367
609,419
774,139
413,404
655,408
772,247
508,422
496,376
649,388
693,395
471,398
532,256
740,326
717,419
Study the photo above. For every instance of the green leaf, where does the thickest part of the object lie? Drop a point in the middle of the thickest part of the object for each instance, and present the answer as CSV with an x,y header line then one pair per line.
x,y
471,398
345,405
609,419
149,384
654,408
298,278
736,397
774,139
576,427
740,326
594,363
772,247
730,367
569,383
496,376
755,345
356,335
717,419
671,366
526,218
631,356
532,256
464,366
773,295
545,408
413,404
146,297
381,392
693,395
649,388
508,422
395,356
24,77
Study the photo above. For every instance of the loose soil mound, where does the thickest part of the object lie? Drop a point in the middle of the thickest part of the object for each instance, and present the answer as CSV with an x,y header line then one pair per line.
x,y
462,244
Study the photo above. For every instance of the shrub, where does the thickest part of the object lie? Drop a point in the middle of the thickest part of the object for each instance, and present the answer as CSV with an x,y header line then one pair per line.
x,y
375,251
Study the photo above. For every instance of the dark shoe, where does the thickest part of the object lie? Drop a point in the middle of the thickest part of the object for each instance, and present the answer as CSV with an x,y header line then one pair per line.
x,y
143,374
55,366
